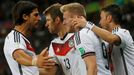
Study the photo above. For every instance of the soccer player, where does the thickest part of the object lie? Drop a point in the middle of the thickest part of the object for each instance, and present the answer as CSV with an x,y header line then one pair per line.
x,y
63,48
117,37
18,51
87,42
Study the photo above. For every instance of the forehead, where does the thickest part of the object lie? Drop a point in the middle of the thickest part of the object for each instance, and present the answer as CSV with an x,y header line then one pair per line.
x,y
104,13
67,14
48,16
35,11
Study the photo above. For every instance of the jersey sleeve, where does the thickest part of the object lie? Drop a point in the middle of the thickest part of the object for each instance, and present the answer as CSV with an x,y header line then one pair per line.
x,y
14,43
86,46
124,35
51,53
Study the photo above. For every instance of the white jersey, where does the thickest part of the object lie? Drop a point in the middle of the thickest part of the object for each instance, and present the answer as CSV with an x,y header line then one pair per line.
x,y
88,43
67,56
123,55
15,40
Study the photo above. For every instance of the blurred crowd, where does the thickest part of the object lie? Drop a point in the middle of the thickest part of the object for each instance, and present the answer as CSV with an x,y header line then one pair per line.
x,y
41,37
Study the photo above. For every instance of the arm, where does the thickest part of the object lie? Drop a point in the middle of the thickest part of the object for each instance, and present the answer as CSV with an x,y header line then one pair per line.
x,y
56,70
86,48
91,65
102,33
51,71
24,59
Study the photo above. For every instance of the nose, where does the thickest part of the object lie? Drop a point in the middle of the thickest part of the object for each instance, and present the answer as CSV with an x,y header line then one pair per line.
x,y
99,22
39,18
64,23
46,25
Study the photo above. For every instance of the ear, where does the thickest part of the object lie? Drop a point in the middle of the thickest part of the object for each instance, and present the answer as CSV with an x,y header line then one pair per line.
x,y
25,17
57,20
109,18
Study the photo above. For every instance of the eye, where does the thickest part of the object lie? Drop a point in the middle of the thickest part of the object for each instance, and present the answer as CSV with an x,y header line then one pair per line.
x,y
37,14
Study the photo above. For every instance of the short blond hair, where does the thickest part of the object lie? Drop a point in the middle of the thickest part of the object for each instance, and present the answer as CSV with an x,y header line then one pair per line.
x,y
75,8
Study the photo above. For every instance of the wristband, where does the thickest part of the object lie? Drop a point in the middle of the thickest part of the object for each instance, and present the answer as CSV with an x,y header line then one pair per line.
x,y
34,61
89,25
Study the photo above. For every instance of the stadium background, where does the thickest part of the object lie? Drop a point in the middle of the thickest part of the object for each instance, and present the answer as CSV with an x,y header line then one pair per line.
x,y
41,37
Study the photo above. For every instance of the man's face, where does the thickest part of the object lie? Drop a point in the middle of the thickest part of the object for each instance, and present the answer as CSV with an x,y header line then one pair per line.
x,y
68,21
104,20
50,24
33,19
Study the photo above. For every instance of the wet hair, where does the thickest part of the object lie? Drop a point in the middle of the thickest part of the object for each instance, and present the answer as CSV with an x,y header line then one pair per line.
x,y
54,11
115,11
21,8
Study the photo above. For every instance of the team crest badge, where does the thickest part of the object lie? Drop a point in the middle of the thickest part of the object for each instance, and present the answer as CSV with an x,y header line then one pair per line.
x,y
71,43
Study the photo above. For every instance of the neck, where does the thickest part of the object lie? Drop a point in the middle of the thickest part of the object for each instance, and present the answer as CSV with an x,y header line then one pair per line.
x,y
23,29
112,26
62,33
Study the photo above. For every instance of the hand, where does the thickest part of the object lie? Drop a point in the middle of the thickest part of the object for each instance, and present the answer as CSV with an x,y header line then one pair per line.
x,y
79,22
43,60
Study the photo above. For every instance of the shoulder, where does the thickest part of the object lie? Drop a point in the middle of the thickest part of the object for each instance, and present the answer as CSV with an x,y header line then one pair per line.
x,y
10,36
87,32
15,37
120,30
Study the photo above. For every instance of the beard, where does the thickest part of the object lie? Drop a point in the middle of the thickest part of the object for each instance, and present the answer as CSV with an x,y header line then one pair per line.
x,y
32,29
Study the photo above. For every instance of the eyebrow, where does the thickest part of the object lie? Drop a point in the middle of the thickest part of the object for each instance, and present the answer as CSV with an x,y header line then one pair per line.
x,y
36,14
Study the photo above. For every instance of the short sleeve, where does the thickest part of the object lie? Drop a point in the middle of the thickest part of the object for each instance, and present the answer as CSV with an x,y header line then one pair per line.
x,y
123,35
86,46
12,44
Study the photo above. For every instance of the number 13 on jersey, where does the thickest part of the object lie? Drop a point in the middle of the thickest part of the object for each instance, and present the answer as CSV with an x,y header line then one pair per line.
x,y
67,63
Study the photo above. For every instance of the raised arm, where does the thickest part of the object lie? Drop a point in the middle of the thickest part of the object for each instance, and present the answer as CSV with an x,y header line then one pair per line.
x,y
102,33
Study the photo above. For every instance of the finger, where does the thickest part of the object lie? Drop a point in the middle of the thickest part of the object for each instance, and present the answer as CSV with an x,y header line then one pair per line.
x,y
44,52
82,17
50,61
74,22
49,64
47,53
47,57
48,67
